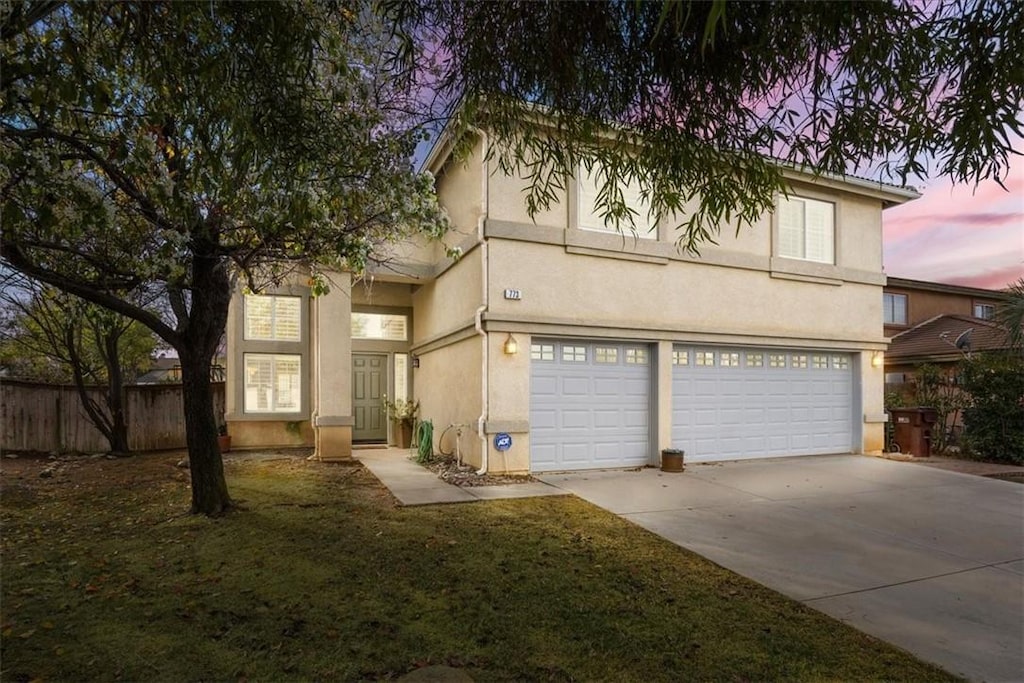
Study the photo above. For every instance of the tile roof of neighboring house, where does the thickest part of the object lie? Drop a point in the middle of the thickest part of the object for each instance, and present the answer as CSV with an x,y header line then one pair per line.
x,y
933,340
905,283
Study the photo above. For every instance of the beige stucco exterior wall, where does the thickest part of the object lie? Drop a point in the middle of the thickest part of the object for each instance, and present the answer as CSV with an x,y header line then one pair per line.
x,y
448,386
370,292
508,408
332,358
694,298
872,391
505,201
448,304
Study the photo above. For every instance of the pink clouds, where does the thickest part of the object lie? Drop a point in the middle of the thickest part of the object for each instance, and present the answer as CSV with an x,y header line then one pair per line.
x,y
959,234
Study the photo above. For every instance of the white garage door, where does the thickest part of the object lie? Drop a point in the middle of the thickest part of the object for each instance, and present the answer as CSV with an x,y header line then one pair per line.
x,y
589,405
730,404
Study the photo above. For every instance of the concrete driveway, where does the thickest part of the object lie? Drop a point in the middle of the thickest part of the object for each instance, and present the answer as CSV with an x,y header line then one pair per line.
x,y
929,560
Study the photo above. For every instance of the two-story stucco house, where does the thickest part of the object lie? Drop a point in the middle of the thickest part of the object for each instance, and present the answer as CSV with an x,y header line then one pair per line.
x,y
590,349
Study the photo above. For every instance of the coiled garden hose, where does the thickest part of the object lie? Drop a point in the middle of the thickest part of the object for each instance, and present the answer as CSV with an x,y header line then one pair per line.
x,y
424,440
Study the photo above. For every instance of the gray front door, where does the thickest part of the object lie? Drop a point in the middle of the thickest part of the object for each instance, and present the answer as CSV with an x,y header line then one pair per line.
x,y
369,384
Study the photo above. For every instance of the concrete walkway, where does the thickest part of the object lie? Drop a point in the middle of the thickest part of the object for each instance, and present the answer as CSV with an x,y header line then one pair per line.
x,y
929,560
413,484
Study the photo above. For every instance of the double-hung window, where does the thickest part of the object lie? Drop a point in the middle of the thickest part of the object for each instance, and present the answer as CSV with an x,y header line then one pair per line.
x,y
273,375
589,216
895,308
806,229
984,311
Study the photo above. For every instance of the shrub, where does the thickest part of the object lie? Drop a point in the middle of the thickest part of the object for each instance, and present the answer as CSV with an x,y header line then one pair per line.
x,y
994,417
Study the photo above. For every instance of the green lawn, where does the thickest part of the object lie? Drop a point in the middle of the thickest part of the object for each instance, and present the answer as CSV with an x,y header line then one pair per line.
x,y
321,577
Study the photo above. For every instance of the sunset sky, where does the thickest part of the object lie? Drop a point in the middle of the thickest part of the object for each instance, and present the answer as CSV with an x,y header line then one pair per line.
x,y
959,235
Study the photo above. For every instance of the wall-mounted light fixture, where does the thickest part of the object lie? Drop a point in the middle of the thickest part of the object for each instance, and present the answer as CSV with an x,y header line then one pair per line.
x,y
877,358
511,346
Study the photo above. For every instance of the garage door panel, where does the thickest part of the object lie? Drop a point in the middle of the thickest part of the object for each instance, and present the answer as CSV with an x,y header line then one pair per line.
x,y
602,407
543,386
636,420
575,419
575,386
543,420
606,386
724,412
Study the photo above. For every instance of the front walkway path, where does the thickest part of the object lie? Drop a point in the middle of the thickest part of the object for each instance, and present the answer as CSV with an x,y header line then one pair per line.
x,y
413,484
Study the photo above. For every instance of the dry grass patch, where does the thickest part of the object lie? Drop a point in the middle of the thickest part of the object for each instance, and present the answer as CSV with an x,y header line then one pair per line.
x,y
321,577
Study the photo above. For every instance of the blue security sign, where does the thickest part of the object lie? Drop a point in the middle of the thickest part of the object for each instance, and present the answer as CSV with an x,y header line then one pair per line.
x,y
502,441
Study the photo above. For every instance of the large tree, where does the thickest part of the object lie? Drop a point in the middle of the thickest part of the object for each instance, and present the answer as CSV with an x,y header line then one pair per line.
x,y
704,104
180,145
52,336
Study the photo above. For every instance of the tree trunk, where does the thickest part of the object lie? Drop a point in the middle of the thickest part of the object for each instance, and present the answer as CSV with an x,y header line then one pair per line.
x,y
206,318
115,394
209,488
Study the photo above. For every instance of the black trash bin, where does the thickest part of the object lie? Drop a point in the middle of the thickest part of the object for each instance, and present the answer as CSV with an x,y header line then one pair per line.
x,y
672,460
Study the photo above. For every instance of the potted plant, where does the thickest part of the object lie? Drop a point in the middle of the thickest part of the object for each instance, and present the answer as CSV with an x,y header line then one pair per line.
x,y
403,416
223,438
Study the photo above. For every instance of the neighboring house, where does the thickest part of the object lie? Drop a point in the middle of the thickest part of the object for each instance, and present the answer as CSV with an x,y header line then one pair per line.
x,y
907,303
588,348
167,370
934,341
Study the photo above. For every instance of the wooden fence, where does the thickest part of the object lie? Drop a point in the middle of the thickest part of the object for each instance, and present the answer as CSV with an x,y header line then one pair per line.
x,y
48,417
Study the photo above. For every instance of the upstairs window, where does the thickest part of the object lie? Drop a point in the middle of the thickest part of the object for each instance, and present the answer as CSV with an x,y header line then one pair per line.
x,y
590,216
984,311
273,318
806,229
895,309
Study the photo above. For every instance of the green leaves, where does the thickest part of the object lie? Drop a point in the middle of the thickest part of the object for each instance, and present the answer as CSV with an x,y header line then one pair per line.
x,y
694,96
138,135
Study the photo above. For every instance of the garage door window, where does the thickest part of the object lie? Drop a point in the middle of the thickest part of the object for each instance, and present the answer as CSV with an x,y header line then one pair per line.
x,y
840,362
636,356
730,360
542,352
574,354
608,355
819,362
755,360
680,358
799,361
777,360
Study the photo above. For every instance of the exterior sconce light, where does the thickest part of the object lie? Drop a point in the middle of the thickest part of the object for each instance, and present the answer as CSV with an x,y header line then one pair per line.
x,y
511,346
877,358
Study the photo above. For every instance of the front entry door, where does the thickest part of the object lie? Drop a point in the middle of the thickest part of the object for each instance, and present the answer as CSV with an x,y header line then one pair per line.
x,y
369,383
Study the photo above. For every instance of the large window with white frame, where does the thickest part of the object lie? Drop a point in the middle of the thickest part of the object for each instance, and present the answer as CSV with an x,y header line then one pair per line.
x,y
589,217
273,383
895,308
806,229
273,318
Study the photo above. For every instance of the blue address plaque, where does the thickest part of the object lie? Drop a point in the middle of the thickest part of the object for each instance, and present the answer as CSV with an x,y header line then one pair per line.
x,y
502,441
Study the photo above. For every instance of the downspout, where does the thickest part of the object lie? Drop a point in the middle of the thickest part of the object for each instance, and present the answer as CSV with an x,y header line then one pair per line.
x,y
314,393
479,318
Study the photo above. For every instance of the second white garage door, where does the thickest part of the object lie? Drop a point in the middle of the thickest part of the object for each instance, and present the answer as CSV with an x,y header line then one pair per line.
x,y
731,404
589,405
